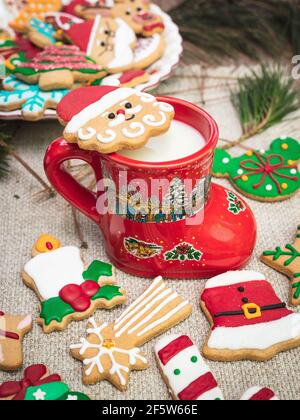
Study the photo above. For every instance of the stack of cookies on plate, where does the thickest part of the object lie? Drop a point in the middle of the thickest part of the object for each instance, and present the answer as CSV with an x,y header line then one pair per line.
x,y
51,48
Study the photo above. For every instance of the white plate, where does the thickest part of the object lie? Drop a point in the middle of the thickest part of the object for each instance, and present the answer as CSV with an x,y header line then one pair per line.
x,y
160,70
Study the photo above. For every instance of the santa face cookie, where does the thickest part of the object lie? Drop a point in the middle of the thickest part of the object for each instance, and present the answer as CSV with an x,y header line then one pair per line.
x,y
259,394
138,14
286,260
12,330
249,321
270,175
111,351
66,289
108,119
56,67
38,385
148,51
186,374
29,99
109,42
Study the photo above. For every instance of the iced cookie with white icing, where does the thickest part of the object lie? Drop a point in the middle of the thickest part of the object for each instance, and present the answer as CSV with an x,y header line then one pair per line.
x,y
108,119
66,288
259,394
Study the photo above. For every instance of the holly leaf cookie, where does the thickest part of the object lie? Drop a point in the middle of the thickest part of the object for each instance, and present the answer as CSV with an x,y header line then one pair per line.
x,y
12,331
249,321
29,99
67,290
286,260
56,67
183,369
108,119
269,176
111,351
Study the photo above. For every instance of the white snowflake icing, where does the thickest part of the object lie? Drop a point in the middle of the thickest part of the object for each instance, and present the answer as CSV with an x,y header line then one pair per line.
x,y
117,368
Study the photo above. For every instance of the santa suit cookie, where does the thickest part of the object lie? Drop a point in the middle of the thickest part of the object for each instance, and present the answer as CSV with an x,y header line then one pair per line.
x,y
66,289
108,41
259,394
184,370
248,319
109,119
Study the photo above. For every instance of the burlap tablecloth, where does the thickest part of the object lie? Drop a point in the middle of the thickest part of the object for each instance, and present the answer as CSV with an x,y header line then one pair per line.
x,y
23,219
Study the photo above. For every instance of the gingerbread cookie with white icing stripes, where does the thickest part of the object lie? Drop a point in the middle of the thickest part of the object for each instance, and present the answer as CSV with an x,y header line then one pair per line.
x,y
183,369
67,290
111,351
12,331
108,119
249,321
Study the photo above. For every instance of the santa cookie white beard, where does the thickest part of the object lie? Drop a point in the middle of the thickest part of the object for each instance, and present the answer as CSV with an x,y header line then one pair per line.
x,y
108,119
249,321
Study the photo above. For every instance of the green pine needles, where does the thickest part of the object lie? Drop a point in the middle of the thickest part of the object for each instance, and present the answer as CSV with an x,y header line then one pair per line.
x,y
262,99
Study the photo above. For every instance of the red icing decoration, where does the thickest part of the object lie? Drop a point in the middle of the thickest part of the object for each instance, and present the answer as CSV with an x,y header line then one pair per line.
x,y
79,297
32,377
197,388
153,26
2,313
229,299
79,99
11,335
130,75
264,394
175,347
266,168
49,246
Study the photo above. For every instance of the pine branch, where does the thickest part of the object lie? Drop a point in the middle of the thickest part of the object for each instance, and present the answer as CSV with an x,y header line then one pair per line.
x,y
263,99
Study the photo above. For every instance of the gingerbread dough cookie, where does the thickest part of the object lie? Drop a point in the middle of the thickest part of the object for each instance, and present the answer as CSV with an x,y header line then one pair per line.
x,y
111,351
12,331
41,34
286,260
56,67
249,321
67,290
108,119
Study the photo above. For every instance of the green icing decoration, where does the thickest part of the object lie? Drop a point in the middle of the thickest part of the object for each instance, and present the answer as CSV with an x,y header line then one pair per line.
x,y
194,359
74,396
98,269
292,253
47,392
177,372
262,174
55,309
297,291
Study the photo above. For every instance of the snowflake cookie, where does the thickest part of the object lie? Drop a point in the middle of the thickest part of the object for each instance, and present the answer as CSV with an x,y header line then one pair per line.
x,y
286,260
111,351
270,175
66,289
29,99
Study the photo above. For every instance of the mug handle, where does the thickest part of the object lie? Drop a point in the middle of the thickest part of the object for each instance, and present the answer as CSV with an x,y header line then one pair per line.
x,y
80,197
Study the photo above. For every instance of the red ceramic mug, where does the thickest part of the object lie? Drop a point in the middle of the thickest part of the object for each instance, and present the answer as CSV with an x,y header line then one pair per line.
x,y
186,246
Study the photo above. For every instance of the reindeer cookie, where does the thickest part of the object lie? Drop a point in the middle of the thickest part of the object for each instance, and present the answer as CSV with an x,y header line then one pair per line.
x,y
12,330
109,119
270,175
249,321
111,351
286,260
66,289
109,42
183,369
56,67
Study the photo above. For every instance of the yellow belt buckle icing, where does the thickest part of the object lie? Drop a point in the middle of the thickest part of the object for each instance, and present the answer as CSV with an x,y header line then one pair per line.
x,y
251,311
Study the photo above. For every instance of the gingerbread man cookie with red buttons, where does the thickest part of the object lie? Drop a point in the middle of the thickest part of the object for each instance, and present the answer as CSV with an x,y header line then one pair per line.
x,y
67,290
249,321
108,119
12,331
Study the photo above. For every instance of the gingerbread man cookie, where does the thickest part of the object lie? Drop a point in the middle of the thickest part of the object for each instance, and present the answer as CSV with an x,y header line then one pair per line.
x,y
183,369
66,290
38,385
109,119
109,42
249,321
286,260
34,9
111,351
56,67
12,330
270,175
